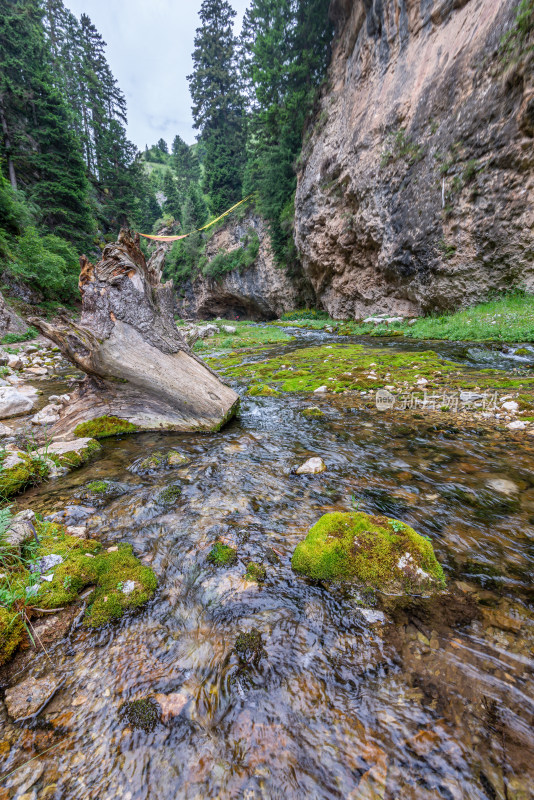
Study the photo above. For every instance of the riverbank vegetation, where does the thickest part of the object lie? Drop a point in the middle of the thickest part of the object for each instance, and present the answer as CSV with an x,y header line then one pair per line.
x,y
508,318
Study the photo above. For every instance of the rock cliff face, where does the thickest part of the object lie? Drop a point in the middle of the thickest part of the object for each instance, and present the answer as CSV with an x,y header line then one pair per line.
x,y
416,183
262,291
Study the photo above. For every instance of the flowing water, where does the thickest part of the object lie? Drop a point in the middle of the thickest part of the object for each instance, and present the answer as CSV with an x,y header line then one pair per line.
x,y
431,700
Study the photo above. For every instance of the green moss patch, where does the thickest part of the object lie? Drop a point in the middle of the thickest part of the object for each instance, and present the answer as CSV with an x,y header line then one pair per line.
x,y
27,472
249,647
97,486
374,552
86,564
261,389
11,633
77,458
221,555
255,572
170,495
355,367
159,461
141,714
101,427
312,412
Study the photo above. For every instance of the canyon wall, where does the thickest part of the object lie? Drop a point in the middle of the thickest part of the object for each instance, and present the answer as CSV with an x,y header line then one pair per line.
x,y
416,182
261,291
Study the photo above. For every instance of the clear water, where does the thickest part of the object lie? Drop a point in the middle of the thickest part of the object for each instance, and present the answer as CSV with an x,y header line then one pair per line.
x,y
435,702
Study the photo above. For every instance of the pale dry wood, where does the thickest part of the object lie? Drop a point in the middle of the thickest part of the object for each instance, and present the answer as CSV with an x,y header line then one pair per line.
x,y
138,366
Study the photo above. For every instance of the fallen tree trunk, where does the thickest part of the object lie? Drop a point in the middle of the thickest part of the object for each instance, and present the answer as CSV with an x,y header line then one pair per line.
x,y
139,369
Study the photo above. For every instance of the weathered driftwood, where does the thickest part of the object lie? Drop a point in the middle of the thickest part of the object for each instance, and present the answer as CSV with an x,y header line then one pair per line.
x,y
138,366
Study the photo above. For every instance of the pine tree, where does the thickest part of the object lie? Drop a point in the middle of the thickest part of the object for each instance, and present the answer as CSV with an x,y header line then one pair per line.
x,y
218,107
284,54
185,164
39,146
173,203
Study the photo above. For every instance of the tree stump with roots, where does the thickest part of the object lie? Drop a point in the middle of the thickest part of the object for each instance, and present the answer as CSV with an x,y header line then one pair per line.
x,y
138,367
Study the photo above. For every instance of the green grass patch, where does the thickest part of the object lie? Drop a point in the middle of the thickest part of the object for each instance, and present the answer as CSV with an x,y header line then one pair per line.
x,y
12,338
247,335
221,555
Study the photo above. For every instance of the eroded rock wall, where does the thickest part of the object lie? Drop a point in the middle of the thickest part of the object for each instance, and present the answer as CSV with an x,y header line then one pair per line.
x,y
262,291
416,186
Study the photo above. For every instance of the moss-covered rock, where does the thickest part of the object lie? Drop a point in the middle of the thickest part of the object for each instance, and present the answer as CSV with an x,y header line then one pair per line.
x,y
170,495
159,461
255,572
19,471
374,552
11,633
221,555
101,427
121,582
142,714
262,390
70,455
312,412
249,647
97,486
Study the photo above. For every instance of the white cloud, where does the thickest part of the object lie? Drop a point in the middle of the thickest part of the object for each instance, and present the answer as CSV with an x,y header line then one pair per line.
x,y
149,51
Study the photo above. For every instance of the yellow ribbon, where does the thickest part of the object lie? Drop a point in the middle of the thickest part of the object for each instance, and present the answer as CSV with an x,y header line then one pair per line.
x,y
204,227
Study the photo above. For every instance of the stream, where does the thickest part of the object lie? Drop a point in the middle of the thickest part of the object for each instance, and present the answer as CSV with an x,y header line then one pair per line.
x,y
427,700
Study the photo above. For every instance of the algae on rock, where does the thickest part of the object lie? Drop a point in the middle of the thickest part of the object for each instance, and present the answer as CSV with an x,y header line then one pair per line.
x,y
374,552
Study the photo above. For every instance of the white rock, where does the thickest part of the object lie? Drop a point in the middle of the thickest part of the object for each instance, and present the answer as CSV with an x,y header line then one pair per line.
x,y
502,486
5,430
78,531
60,448
320,390
511,405
312,466
394,320
47,415
517,425
14,362
372,616
228,328
38,371
422,382
13,402
128,587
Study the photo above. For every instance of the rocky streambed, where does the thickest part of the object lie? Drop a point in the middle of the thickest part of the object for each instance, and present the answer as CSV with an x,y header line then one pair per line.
x,y
255,681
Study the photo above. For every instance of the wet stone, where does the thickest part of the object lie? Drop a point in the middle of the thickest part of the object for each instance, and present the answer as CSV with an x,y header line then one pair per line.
x,y
26,699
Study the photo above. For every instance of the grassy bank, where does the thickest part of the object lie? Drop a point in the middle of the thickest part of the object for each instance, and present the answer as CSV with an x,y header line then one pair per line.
x,y
507,319
246,335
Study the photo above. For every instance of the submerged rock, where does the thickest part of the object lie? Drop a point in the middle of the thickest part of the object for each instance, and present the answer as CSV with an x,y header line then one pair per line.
x,y
26,699
373,552
313,466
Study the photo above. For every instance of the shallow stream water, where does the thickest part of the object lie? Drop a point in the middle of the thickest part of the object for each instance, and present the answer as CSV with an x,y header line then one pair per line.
x,y
429,700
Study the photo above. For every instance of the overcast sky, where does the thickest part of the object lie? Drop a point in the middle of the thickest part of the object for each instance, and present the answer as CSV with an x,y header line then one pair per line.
x,y
149,46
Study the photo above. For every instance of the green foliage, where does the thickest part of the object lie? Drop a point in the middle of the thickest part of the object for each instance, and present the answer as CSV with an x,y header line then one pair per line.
x,y
304,313
11,633
221,555
240,259
402,148
218,107
519,40
27,336
285,48
46,263
101,427
369,551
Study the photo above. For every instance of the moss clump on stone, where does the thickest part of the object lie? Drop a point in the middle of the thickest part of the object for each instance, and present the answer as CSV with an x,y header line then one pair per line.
x,y
86,564
221,555
262,390
11,633
374,552
313,411
97,486
255,572
249,647
75,459
169,495
522,351
159,460
142,714
27,472
101,427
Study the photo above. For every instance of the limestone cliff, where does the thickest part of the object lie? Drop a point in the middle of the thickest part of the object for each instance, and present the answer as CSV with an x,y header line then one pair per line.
x,y
416,182
260,291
